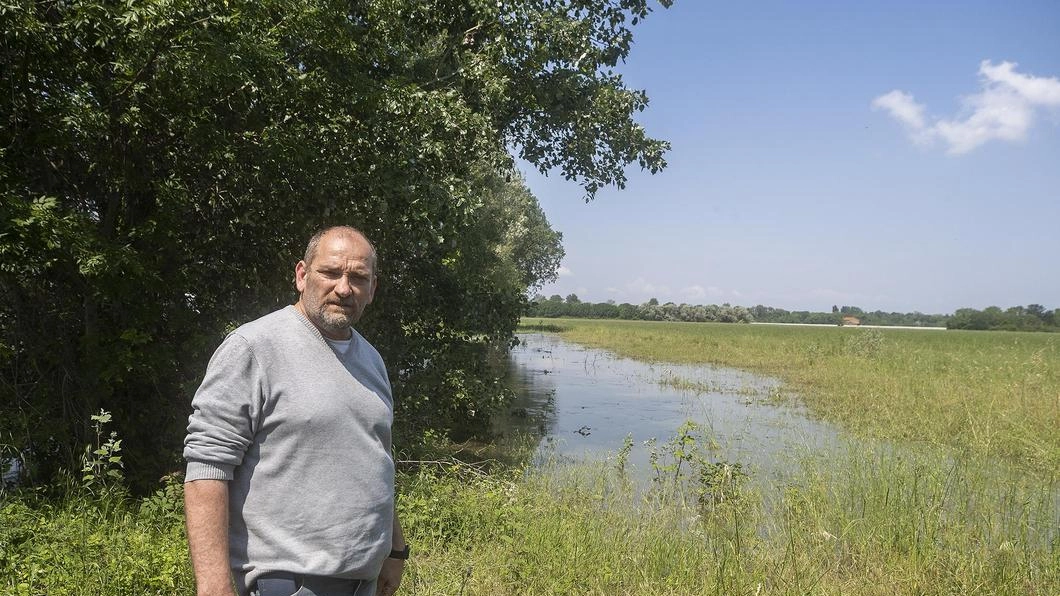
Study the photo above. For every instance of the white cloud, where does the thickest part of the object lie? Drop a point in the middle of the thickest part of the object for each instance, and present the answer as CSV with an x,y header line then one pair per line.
x,y
640,287
1004,109
699,293
564,271
1037,90
694,292
902,107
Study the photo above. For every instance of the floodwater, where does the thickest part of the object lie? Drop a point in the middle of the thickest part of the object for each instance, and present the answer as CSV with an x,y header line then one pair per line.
x,y
583,402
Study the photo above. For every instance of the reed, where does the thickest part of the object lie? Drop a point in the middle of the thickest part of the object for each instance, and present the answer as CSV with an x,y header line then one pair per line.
x,y
877,522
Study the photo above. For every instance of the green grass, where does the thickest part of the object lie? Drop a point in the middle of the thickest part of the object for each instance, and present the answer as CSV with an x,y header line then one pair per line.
x,y
81,544
992,393
930,511
872,523
866,522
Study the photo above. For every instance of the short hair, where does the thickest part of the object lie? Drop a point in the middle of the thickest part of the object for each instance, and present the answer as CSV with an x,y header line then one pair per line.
x,y
314,243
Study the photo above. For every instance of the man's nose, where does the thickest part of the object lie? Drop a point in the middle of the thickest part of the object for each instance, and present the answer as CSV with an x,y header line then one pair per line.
x,y
343,288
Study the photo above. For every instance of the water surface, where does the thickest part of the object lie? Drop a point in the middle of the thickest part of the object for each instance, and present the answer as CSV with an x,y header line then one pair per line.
x,y
583,402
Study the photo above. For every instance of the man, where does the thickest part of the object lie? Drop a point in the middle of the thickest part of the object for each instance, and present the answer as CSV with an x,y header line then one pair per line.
x,y
290,477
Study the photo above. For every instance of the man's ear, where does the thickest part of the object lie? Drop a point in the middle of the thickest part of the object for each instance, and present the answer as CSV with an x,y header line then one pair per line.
x,y
299,276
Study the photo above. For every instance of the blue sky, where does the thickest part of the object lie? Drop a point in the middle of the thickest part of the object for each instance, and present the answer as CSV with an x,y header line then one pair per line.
x,y
894,156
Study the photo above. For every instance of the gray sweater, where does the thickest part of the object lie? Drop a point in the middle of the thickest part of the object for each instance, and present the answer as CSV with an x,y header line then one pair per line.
x,y
302,432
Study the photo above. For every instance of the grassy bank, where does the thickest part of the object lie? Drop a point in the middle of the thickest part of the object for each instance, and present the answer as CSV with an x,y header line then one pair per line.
x,y
993,394
870,523
931,512
80,543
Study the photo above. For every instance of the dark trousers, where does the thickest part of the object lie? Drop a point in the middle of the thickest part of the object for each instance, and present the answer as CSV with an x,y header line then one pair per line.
x,y
289,584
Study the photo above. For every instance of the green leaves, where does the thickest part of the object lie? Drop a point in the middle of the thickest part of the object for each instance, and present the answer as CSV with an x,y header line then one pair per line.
x,y
102,467
164,163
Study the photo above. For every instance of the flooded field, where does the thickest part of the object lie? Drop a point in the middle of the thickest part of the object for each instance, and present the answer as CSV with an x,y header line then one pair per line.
x,y
584,402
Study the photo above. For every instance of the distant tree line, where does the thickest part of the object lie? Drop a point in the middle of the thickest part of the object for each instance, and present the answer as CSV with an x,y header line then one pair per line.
x,y
1033,317
768,314
556,306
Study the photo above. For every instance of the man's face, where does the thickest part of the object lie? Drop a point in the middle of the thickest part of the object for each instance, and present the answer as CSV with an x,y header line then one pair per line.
x,y
336,286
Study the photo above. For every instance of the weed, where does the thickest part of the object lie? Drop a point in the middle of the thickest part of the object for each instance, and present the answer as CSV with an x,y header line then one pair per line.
x,y
685,465
622,459
166,505
93,539
865,343
101,463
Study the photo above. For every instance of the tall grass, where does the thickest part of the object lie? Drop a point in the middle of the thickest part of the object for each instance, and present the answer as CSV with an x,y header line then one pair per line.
x,y
874,523
84,544
994,394
866,522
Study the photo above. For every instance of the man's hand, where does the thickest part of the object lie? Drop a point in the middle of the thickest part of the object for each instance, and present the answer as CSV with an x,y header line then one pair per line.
x,y
390,577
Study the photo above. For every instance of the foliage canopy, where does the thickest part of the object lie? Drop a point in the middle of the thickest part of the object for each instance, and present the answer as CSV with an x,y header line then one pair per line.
x,y
163,162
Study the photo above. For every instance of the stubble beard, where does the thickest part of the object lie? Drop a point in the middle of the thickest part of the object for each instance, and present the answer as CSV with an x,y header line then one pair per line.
x,y
336,322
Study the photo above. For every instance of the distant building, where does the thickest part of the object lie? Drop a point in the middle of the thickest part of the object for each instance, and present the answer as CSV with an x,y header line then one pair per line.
x,y
850,321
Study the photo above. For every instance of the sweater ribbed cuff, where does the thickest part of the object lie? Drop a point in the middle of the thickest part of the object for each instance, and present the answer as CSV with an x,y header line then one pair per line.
x,y
198,470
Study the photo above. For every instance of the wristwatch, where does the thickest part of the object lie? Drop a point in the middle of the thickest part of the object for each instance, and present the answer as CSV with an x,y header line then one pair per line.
x,y
401,554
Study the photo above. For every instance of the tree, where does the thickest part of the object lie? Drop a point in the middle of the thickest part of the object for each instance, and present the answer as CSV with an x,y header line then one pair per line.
x,y
1038,311
163,164
572,299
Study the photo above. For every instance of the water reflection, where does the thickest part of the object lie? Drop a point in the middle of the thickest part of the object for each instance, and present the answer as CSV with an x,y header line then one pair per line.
x,y
583,402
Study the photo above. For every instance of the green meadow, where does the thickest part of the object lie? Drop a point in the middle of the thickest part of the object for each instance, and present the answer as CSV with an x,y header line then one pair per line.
x,y
946,483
